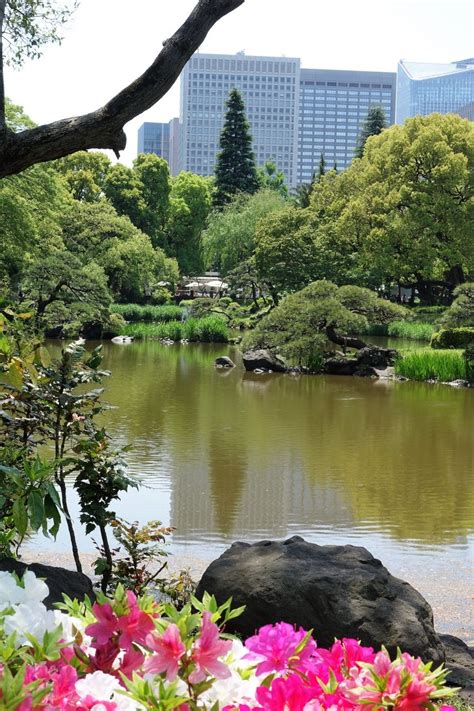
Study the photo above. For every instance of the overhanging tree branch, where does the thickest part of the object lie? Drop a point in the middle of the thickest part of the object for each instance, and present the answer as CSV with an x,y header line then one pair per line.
x,y
104,128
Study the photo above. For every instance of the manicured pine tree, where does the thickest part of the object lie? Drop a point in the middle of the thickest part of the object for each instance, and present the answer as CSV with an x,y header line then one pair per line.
x,y
235,167
373,125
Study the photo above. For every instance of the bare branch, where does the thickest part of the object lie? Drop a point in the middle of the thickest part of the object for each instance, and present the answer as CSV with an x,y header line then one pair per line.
x,y
104,128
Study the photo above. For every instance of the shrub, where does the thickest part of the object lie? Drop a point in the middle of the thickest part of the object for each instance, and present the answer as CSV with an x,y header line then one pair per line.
x,y
161,296
443,366
453,338
468,356
461,311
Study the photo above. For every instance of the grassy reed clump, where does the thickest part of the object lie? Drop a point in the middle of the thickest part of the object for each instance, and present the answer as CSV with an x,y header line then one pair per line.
x,y
443,366
147,313
210,329
415,330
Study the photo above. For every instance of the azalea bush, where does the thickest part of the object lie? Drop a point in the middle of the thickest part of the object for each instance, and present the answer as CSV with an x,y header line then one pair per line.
x,y
126,653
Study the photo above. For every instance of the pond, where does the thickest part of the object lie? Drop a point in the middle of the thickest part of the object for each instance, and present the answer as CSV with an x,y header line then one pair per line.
x,y
225,455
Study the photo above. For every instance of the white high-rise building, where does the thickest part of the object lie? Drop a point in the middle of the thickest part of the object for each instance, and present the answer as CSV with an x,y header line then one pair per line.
x,y
270,90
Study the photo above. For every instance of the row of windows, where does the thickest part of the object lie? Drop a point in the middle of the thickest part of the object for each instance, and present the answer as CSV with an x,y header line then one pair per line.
x,y
243,65
219,79
342,83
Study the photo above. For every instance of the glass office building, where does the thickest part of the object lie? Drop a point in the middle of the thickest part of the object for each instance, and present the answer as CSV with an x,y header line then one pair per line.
x,y
333,106
154,138
270,90
424,88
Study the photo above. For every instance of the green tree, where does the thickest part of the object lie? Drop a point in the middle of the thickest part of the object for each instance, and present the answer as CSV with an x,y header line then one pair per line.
x,y
189,207
285,255
235,167
404,211
124,189
373,125
461,311
321,313
153,174
229,237
270,177
321,168
85,173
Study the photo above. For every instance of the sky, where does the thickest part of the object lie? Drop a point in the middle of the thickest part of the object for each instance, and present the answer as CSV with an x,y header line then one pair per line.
x,y
108,43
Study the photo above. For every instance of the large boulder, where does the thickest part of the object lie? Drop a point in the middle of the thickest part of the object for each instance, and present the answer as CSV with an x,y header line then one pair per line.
x,y
59,580
376,357
263,359
338,591
337,365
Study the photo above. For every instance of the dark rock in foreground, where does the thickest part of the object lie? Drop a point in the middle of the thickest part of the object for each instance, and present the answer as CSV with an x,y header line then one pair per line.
x,y
224,362
263,360
363,363
58,580
460,662
338,591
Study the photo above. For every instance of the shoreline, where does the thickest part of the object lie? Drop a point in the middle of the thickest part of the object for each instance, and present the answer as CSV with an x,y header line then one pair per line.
x,y
453,609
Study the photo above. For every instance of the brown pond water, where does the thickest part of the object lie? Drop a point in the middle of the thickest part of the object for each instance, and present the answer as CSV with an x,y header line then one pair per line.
x,y
225,455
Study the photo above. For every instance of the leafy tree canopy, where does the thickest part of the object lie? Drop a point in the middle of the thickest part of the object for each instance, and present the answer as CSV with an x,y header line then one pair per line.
x,y
85,173
461,311
229,237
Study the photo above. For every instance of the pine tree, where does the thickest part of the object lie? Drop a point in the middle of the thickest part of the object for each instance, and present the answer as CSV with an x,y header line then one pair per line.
x,y
322,168
235,167
373,125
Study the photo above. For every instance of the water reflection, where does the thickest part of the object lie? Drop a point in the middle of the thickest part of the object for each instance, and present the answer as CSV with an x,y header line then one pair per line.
x,y
233,455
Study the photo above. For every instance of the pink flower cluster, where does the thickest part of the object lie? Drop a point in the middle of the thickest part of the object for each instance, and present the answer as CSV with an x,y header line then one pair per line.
x,y
126,654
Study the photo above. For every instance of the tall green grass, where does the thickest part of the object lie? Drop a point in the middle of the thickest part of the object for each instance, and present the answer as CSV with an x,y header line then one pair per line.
x,y
210,329
413,330
443,366
148,314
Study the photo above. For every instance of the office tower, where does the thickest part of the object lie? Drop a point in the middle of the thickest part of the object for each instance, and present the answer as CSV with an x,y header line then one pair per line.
x,y
270,90
154,138
163,140
424,88
333,106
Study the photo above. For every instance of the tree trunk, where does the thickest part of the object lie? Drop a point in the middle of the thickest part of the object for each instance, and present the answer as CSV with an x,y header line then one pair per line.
x,y
72,534
107,574
345,341
103,128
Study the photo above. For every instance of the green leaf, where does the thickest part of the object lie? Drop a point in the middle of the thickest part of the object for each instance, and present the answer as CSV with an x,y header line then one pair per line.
x,y
20,516
36,509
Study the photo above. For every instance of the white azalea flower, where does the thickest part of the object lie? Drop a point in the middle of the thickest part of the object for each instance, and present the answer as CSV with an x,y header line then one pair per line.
x,y
30,618
71,626
98,685
10,593
35,589
105,687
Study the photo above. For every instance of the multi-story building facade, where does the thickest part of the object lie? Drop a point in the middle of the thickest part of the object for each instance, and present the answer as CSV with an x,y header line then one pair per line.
x,y
270,90
161,139
333,106
154,138
424,88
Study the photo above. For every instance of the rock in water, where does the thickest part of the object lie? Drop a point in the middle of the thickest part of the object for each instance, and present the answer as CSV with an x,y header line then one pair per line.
x,y
263,359
224,362
59,580
338,591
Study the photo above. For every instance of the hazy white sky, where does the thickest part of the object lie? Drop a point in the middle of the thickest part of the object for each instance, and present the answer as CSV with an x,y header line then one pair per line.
x,y
108,43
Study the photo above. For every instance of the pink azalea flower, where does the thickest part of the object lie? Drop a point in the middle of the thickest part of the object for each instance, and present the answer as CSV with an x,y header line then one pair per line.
x,y
206,651
105,627
168,649
277,644
134,627
285,694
